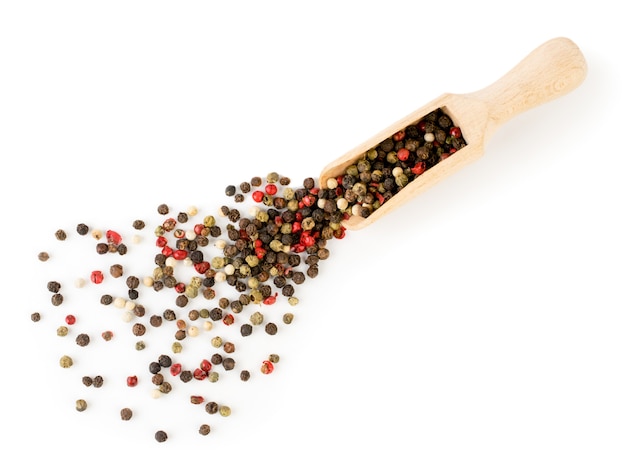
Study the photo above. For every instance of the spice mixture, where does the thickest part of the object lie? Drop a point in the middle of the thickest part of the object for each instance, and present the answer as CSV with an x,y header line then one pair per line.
x,y
225,275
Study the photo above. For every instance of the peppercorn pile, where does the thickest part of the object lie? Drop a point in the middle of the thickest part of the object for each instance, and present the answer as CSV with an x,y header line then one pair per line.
x,y
224,275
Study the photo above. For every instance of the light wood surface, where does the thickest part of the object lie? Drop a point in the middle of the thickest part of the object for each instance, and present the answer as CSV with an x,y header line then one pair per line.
x,y
551,70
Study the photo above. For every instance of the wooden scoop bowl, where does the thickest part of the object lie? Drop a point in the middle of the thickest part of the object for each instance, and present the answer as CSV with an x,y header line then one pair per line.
x,y
551,70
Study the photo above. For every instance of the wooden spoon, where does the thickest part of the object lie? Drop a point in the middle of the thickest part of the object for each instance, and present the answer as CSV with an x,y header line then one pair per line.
x,y
552,70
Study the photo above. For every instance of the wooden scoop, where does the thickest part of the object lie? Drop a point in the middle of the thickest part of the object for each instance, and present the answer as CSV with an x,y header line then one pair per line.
x,y
552,70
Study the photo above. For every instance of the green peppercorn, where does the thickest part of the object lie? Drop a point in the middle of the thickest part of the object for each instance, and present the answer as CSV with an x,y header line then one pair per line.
x,y
274,358
66,361
256,318
225,411
62,331
81,405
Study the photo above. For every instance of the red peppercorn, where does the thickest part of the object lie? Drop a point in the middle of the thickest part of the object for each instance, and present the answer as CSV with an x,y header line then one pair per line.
x,y
97,277
161,241
113,237
198,228
296,227
419,168
202,267
260,252
339,233
131,381
270,300
199,374
175,369
307,240
308,201
228,320
455,132
70,319
180,287
196,399
267,367
399,136
271,189
180,254
403,154
167,251
258,196
205,365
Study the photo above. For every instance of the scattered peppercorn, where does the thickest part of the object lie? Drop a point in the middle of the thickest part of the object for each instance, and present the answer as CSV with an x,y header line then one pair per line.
x,y
82,340
35,317
43,256
81,405
271,329
126,414
66,361
204,429
60,235
160,436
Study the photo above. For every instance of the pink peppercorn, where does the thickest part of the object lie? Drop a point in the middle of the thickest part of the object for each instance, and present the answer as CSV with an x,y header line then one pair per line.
x,y
97,277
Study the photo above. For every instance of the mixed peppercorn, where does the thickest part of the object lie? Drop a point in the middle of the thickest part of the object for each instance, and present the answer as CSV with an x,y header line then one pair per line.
x,y
266,243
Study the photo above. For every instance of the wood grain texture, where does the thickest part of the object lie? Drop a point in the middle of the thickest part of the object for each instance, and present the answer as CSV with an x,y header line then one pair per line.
x,y
551,70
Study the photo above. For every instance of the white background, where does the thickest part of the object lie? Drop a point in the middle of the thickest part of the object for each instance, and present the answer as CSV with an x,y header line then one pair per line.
x,y
481,324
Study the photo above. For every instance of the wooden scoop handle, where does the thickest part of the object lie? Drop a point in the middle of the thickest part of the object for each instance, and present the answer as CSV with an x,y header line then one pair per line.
x,y
551,70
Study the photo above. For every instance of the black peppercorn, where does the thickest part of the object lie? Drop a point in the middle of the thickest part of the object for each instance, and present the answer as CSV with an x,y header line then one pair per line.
x,y
126,414
98,381
106,299
246,329
154,367
82,229
228,363
165,361
60,235
271,329
163,209
160,436
186,376
169,315
54,286
82,340
211,407
244,375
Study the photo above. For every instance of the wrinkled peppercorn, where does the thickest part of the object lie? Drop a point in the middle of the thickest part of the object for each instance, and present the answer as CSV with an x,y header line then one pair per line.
x,y
271,328
60,235
82,339
126,414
